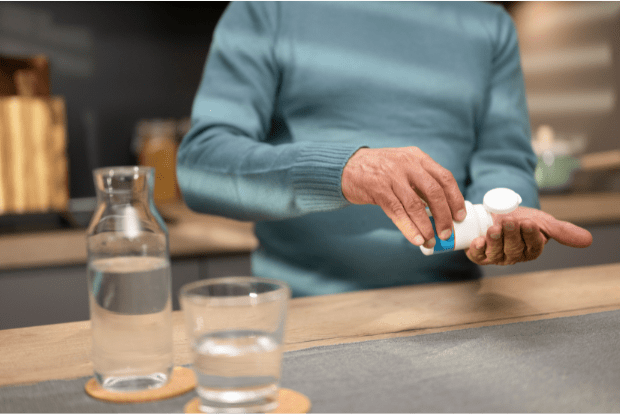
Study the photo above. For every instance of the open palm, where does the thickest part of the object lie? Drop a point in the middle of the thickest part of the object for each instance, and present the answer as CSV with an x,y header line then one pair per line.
x,y
521,235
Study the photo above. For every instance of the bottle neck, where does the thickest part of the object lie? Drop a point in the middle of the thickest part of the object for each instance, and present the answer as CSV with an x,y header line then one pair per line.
x,y
484,219
124,185
122,198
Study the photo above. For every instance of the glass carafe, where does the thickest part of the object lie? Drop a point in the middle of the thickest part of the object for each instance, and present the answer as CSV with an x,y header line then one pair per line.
x,y
129,282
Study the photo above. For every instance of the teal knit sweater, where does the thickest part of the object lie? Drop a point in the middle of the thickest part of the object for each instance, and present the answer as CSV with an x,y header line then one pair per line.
x,y
292,89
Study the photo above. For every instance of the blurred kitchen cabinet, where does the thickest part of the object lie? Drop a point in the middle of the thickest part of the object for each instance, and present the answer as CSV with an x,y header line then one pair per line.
x,y
50,295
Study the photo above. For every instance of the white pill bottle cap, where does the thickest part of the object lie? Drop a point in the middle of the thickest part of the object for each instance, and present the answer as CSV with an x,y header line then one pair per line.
x,y
501,200
478,220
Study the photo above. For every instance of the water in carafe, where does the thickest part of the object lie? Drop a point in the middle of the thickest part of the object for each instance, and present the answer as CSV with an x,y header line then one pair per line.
x,y
129,283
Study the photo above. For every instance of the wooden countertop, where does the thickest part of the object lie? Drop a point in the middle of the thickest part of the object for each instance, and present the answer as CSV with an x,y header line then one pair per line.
x,y
61,351
190,234
193,234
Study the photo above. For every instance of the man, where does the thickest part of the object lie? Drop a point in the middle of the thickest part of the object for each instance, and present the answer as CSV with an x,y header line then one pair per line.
x,y
333,124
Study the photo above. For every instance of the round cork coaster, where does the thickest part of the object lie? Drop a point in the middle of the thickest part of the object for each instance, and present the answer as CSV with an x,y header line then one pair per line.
x,y
289,402
181,381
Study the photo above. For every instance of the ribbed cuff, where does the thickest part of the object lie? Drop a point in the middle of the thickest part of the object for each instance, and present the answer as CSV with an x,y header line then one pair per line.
x,y
317,176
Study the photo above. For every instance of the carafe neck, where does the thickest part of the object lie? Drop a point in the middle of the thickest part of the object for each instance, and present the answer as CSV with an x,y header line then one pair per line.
x,y
124,185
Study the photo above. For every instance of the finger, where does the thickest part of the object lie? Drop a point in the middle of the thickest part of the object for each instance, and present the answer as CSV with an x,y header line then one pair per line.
x,y
415,210
513,243
434,195
568,234
564,232
453,194
533,239
494,245
476,251
396,212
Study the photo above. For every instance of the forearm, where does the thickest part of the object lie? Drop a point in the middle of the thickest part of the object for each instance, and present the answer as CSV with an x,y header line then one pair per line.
x,y
234,161
232,175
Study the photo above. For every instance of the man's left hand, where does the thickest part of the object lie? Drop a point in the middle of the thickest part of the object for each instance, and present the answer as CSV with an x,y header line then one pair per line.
x,y
521,235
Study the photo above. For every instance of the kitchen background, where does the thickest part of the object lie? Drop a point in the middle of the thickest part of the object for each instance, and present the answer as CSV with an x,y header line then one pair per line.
x,y
126,72
114,63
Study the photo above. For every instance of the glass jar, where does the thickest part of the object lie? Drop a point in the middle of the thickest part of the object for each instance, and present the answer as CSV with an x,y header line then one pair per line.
x,y
158,148
129,282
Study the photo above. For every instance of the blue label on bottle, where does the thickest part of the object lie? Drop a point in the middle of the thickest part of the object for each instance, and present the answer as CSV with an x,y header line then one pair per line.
x,y
440,244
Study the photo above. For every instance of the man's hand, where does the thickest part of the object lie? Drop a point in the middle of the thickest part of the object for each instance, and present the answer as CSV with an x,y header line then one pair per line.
x,y
521,235
401,181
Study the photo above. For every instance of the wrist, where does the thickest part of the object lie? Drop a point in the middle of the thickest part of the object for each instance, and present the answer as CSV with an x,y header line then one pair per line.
x,y
349,172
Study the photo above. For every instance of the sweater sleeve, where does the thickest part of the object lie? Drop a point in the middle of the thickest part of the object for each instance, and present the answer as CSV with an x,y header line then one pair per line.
x,y
226,164
503,156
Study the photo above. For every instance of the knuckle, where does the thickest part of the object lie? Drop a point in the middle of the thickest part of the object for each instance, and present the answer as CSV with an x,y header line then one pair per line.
x,y
416,207
434,191
528,223
415,149
495,256
514,251
446,176
418,153
395,206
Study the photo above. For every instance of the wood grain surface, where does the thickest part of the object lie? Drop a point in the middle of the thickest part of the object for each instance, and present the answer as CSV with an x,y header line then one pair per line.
x,y
61,351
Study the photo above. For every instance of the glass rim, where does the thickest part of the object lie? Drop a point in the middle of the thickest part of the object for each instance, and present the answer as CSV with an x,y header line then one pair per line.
x,y
123,170
282,291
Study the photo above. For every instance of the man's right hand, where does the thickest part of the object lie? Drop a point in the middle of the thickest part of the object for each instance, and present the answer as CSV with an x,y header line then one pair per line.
x,y
401,181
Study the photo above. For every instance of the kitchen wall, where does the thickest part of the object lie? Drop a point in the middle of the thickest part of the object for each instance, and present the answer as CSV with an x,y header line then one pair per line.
x,y
114,62
570,53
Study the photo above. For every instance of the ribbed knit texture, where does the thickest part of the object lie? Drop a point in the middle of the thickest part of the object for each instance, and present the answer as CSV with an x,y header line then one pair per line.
x,y
292,89
317,176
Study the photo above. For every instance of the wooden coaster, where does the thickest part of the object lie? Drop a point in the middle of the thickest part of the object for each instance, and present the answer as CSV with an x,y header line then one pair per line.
x,y
181,381
289,402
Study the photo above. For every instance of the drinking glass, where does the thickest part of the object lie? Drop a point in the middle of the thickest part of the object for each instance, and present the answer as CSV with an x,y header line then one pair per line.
x,y
236,326
129,282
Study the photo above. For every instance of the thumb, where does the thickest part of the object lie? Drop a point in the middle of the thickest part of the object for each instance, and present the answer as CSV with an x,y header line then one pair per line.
x,y
567,234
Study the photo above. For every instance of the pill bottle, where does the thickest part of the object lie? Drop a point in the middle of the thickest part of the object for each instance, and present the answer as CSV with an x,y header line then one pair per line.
x,y
477,221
